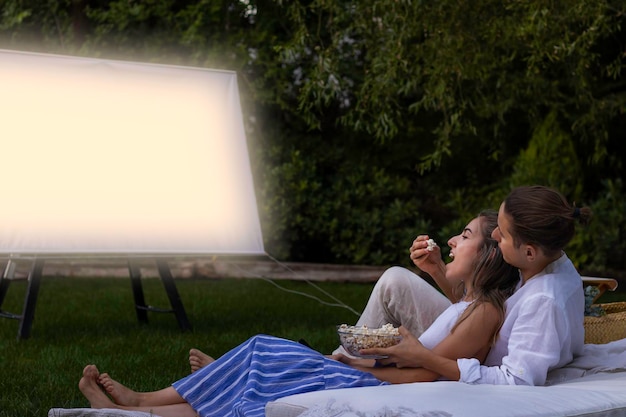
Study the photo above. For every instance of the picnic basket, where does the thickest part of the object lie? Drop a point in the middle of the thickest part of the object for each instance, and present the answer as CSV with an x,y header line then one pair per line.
x,y
608,327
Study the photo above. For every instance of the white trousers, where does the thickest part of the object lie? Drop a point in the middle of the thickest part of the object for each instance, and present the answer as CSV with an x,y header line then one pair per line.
x,y
402,298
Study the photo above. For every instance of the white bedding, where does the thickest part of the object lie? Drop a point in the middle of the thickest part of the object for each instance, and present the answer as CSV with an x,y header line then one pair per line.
x,y
602,394
91,412
594,385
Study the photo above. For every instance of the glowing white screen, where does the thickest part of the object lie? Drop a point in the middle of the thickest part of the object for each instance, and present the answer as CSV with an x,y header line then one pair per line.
x,y
116,157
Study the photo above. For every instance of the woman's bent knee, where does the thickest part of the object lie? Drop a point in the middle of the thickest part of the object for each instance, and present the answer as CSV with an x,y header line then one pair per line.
x,y
399,277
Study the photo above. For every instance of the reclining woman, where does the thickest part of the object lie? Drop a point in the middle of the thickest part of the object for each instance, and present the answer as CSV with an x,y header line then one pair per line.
x,y
265,368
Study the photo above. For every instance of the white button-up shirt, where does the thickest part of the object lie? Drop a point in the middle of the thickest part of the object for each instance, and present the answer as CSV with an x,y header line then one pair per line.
x,y
542,330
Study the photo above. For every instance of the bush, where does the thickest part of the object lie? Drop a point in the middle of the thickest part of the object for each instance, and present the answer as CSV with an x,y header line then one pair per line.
x,y
600,247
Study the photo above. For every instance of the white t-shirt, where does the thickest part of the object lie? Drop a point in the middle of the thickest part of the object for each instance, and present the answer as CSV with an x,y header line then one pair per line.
x,y
542,330
442,326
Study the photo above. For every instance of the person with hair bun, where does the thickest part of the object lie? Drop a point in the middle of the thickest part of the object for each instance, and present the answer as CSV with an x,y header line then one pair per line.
x,y
543,328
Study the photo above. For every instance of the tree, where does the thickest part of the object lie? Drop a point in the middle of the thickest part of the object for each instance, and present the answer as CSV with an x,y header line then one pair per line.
x,y
372,121
481,68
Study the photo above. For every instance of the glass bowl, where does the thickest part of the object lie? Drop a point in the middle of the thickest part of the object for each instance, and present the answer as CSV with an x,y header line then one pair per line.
x,y
355,338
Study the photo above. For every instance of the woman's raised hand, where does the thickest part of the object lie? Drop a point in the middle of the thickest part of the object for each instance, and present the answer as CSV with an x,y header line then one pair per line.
x,y
423,258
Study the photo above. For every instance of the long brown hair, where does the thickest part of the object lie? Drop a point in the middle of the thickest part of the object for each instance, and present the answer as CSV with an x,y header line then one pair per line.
x,y
493,279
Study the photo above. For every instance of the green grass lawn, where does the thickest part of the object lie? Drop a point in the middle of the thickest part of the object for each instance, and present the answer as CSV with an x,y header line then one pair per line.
x,y
82,321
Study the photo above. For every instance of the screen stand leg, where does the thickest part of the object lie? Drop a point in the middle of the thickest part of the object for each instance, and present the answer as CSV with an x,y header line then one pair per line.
x,y
141,308
172,293
5,280
30,301
170,288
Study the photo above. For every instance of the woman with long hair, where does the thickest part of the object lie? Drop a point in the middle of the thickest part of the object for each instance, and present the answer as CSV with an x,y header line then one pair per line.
x,y
265,368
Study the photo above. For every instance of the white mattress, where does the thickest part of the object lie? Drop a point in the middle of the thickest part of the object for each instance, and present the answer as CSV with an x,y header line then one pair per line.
x,y
601,394
592,385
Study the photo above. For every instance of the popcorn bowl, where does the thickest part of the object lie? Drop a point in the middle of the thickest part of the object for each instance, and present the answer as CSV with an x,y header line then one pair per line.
x,y
355,338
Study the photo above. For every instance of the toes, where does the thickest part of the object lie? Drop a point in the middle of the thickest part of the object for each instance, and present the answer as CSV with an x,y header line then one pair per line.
x,y
91,371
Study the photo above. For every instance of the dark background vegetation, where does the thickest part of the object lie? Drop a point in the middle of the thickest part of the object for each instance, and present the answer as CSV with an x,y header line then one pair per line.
x,y
370,122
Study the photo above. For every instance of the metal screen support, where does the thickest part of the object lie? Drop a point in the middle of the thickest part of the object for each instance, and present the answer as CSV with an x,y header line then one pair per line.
x,y
141,308
172,293
170,288
140,304
30,301
5,280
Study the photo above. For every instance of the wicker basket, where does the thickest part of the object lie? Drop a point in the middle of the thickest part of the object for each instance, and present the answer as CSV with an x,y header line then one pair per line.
x,y
609,327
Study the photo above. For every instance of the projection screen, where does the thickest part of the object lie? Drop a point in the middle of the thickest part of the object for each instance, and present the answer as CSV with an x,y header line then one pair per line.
x,y
113,157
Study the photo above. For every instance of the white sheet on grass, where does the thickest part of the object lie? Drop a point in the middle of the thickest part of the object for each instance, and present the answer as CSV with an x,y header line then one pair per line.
x,y
103,156
91,412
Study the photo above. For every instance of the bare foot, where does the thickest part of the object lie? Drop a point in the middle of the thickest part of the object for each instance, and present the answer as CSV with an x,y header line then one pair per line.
x,y
198,359
121,394
88,385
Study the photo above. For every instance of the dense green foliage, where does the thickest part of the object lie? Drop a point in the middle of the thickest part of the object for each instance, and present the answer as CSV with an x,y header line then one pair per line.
x,y
372,121
82,321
